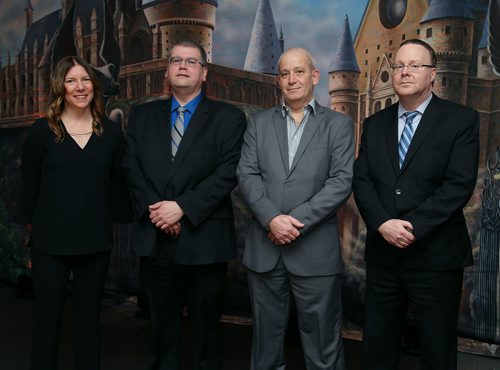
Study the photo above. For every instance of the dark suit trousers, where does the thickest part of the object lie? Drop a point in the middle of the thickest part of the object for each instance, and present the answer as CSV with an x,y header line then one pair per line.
x,y
433,296
169,286
50,279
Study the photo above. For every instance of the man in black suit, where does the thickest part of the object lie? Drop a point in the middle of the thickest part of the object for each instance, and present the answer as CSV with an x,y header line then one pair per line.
x,y
180,161
416,170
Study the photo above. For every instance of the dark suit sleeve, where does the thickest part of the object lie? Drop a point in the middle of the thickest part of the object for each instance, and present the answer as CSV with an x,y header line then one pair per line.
x,y
458,183
200,202
337,186
366,195
31,172
142,194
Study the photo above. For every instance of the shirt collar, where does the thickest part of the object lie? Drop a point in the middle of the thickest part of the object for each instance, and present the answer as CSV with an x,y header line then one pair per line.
x,y
190,107
311,106
420,109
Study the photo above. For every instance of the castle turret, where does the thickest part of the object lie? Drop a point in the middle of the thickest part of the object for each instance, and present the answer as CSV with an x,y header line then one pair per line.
x,y
28,9
264,49
94,42
484,69
448,26
118,13
182,19
479,11
141,39
344,75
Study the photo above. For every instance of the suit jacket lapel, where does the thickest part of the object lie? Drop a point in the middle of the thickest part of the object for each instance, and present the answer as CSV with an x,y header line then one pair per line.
x,y
282,136
314,121
425,126
196,123
164,130
390,121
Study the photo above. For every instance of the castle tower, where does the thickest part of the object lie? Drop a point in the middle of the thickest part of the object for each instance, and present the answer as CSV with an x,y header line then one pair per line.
x,y
479,11
182,19
94,42
28,9
344,76
141,39
118,13
448,26
264,49
484,68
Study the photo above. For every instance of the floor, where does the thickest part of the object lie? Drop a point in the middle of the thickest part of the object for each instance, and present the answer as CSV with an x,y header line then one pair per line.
x,y
124,339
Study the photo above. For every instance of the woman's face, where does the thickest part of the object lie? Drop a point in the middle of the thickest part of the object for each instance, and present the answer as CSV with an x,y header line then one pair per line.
x,y
79,88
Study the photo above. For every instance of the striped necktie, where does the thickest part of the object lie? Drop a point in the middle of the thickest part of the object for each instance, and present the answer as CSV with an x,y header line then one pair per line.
x,y
406,136
177,131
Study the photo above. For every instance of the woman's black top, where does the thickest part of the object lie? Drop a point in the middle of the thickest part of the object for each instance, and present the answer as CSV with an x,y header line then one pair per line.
x,y
72,195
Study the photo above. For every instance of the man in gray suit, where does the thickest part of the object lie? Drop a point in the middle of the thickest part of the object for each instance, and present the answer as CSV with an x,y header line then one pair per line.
x,y
294,173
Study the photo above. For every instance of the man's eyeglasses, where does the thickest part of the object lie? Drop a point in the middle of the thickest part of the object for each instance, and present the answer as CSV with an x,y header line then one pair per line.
x,y
188,62
398,68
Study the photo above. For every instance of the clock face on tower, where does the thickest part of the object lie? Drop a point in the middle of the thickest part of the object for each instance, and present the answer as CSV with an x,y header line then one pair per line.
x,y
391,12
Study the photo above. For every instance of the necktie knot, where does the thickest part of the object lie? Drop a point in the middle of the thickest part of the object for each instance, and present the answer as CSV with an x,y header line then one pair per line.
x,y
410,116
180,110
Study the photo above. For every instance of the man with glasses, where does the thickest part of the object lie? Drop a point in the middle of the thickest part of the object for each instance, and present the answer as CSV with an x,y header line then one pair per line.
x,y
180,161
416,170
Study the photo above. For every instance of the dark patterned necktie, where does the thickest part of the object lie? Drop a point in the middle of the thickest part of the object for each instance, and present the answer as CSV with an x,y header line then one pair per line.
x,y
406,136
177,131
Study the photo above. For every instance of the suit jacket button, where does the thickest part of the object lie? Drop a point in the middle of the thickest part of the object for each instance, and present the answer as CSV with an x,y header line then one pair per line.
x,y
398,191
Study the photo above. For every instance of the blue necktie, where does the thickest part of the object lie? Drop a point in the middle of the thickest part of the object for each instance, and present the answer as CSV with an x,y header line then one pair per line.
x,y
177,131
406,136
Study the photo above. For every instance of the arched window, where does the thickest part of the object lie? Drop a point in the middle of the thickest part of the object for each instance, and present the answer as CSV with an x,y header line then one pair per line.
x,y
220,91
157,83
249,95
140,47
378,106
138,87
235,93
388,102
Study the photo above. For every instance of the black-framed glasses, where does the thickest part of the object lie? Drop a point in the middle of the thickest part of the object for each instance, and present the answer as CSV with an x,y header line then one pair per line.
x,y
188,62
398,68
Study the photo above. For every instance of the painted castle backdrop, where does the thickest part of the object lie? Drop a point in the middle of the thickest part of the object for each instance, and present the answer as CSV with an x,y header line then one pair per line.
x,y
127,41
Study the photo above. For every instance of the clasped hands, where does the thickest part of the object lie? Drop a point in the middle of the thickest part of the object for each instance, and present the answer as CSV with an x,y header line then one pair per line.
x,y
284,229
397,232
166,216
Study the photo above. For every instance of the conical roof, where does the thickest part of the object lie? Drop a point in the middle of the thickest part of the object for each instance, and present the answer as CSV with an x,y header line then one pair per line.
x,y
484,36
264,48
447,9
345,58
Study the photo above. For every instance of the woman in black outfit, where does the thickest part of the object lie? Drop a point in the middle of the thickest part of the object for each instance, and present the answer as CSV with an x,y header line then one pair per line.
x,y
71,192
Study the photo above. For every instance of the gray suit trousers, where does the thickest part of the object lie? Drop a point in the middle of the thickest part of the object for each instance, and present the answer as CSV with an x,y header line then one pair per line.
x,y
319,309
